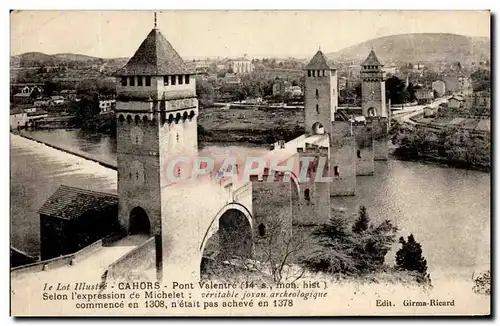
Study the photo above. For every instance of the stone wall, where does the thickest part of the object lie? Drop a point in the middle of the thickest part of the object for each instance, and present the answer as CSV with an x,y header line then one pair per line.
x,y
364,148
380,138
135,261
342,158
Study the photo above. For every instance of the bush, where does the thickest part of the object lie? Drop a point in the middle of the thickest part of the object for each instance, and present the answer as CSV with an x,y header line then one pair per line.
x,y
359,249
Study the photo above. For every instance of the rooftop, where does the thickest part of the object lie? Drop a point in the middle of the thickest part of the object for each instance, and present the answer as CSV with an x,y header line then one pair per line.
x,y
319,62
372,60
71,202
155,57
16,110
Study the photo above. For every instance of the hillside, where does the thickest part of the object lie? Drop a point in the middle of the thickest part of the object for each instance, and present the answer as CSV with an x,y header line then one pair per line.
x,y
37,59
425,47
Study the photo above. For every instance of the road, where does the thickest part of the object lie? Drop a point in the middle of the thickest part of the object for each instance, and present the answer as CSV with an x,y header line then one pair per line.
x,y
411,111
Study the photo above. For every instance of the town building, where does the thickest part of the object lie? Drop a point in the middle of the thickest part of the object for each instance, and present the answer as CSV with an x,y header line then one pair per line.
x,y
57,100
439,87
390,71
18,118
73,218
424,96
240,66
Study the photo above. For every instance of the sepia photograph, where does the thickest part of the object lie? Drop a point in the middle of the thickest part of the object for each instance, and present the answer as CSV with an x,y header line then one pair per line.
x,y
250,163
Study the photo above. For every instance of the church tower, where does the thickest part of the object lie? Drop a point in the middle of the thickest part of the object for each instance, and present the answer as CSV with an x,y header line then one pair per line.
x,y
373,87
156,113
320,105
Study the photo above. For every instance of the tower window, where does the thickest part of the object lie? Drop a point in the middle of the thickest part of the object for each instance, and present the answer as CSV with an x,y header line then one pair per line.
x,y
174,79
139,81
181,79
317,92
132,81
124,81
165,80
309,73
148,80
317,108
314,73
177,137
324,73
307,195
336,171
358,153
187,79
178,172
137,139
262,230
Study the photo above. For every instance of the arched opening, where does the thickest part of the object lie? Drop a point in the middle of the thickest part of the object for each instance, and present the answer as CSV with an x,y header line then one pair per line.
x,y
371,112
336,171
145,119
232,240
121,118
191,115
129,118
184,116
139,222
358,153
137,119
170,118
317,129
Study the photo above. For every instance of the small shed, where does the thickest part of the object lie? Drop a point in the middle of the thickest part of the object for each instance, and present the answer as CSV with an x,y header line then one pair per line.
x,y
73,218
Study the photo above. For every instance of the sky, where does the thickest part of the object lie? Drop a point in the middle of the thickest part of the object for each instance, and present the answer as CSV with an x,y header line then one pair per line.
x,y
111,34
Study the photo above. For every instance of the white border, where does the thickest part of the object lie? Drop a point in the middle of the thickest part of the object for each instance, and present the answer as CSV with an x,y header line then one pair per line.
x,y
191,4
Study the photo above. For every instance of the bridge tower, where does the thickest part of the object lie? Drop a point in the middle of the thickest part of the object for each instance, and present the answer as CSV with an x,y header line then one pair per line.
x,y
374,104
373,87
321,102
156,113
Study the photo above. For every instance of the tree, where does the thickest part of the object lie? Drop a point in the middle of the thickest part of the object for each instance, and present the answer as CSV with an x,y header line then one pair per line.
x,y
395,89
360,249
35,93
481,80
362,223
409,257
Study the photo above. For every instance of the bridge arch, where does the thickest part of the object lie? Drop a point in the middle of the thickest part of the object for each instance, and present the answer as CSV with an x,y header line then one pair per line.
x,y
235,225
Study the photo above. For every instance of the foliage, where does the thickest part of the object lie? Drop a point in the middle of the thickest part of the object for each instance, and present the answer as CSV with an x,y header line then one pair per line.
x,y
453,145
409,257
481,80
278,248
85,110
359,249
396,90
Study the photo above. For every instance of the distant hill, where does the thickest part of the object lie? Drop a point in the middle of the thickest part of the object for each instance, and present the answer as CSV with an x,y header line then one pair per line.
x,y
424,47
37,59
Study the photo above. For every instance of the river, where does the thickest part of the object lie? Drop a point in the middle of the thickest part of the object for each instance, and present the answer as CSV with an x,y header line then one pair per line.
x,y
447,209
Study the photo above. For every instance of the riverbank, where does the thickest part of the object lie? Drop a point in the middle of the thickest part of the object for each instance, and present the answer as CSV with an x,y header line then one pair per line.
x,y
450,146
